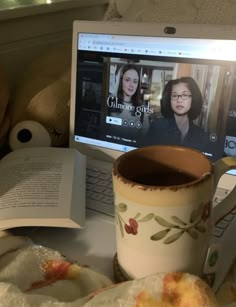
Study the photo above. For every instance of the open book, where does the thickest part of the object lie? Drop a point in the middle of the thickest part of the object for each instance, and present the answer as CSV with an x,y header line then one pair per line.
x,y
42,187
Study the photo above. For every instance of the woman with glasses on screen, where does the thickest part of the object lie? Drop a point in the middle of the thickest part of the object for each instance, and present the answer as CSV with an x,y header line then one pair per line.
x,y
181,104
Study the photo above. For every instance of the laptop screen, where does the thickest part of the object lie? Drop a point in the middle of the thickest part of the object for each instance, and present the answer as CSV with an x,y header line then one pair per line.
x,y
135,90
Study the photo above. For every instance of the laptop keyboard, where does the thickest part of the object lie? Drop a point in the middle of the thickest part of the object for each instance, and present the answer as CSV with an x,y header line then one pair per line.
x,y
222,224
222,243
99,190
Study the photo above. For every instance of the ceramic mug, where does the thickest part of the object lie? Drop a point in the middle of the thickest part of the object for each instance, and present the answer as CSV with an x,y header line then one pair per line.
x,y
163,208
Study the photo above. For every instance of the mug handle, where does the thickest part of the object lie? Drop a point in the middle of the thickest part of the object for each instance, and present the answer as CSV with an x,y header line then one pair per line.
x,y
229,203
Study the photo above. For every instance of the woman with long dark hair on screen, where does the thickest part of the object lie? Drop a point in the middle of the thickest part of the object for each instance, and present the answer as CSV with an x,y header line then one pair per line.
x,y
181,104
128,91
127,105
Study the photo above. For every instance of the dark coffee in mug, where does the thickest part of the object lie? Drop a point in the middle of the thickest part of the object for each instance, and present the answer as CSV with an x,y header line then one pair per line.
x,y
168,178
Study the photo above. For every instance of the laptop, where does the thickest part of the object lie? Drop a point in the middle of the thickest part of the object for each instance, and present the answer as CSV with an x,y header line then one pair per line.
x,y
104,125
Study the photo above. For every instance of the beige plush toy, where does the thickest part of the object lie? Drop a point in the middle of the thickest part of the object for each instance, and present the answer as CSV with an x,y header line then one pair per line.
x,y
4,99
42,97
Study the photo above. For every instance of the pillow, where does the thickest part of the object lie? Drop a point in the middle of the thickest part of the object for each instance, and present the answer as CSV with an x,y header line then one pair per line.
x,y
160,11
123,5
111,12
173,11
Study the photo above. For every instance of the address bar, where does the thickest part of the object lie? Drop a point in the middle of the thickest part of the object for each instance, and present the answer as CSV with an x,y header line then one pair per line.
x,y
108,43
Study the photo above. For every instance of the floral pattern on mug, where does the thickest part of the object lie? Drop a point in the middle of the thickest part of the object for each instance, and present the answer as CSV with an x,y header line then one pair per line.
x,y
173,228
132,227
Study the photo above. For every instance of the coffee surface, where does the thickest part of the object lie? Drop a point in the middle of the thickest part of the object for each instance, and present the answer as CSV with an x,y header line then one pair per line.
x,y
169,178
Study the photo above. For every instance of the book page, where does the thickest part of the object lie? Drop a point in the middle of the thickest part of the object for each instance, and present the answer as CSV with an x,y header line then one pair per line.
x,y
37,183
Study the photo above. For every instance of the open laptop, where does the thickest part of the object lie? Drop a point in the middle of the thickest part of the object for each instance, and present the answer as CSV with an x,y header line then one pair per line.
x,y
161,53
